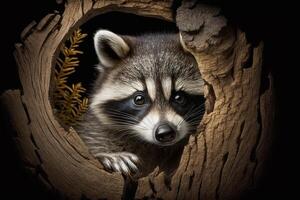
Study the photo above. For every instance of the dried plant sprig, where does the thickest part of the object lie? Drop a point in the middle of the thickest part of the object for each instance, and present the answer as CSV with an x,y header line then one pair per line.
x,y
68,101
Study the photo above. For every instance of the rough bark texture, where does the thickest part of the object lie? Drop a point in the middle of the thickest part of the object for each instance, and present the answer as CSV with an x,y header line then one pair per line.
x,y
224,160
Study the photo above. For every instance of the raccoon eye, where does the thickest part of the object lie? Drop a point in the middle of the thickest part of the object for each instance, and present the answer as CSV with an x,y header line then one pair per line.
x,y
139,100
179,98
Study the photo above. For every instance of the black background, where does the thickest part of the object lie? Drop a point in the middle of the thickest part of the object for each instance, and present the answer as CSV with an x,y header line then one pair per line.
x,y
270,22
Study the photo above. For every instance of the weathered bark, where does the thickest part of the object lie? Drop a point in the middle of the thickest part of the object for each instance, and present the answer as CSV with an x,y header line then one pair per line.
x,y
222,161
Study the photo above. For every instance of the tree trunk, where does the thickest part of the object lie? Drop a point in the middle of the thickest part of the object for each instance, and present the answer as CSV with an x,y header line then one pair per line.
x,y
222,161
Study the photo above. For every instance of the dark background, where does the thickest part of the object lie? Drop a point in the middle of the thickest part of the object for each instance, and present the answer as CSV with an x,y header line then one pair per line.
x,y
270,22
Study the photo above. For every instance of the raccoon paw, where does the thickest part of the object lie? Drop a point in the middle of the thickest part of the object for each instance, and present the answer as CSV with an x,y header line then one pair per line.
x,y
123,162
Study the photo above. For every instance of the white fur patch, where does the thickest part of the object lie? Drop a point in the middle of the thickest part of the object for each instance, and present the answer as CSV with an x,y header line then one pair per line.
x,y
112,92
190,86
180,124
167,87
138,86
151,88
117,44
146,126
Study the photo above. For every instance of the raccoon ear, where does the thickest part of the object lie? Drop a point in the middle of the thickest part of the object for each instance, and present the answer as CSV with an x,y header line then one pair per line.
x,y
110,47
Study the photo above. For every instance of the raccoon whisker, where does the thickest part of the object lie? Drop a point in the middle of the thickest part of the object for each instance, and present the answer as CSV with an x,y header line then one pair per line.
x,y
194,122
180,122
186,115
192,114
142,126
194,119
127,117
199,110
117,126
120,113
125,124
129,134
123,119
125,133
194,111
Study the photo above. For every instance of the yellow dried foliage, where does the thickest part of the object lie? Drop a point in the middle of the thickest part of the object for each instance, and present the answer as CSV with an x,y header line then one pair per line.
x,y
68,100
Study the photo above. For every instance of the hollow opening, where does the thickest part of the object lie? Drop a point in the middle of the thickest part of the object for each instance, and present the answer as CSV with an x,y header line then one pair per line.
x,y
86,72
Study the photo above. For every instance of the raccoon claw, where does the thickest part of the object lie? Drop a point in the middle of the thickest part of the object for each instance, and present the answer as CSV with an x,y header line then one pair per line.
x,y
123,162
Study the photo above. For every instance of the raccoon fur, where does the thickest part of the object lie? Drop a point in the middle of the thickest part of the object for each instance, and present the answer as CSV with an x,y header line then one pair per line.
x,y
147,99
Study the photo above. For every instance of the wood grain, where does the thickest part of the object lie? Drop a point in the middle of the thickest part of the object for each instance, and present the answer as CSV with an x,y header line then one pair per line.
x,y
222,161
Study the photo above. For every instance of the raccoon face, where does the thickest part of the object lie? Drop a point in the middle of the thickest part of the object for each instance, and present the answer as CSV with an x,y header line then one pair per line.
x,y
148,87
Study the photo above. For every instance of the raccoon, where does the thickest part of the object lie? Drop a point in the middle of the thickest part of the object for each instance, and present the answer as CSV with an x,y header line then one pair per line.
x,y
148,98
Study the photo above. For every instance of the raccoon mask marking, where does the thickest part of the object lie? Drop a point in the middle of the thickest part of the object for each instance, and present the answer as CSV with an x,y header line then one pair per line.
x,y
149,91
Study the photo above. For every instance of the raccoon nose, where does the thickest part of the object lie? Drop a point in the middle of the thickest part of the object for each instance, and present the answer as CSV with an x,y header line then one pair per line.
x,y
165,133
